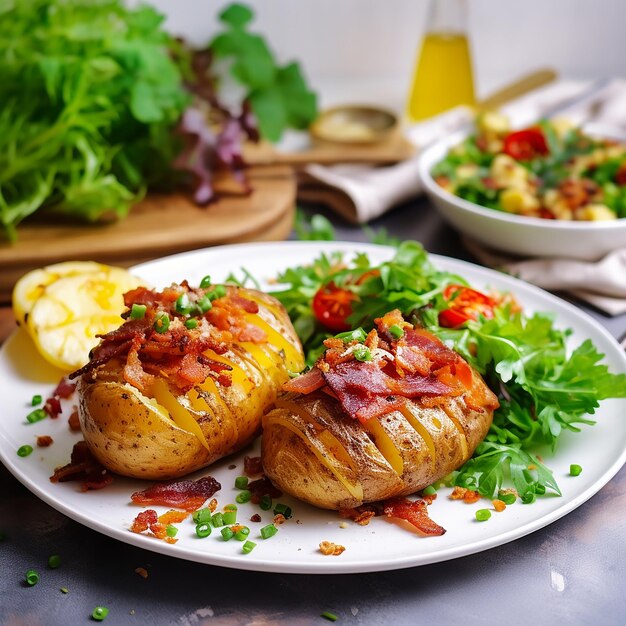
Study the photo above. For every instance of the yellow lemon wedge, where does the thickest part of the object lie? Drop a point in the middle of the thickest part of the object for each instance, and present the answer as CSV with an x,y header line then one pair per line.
x,y
65,306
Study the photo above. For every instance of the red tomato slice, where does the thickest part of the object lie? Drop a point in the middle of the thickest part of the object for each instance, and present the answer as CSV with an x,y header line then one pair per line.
x,y
332,306
465,304
526,144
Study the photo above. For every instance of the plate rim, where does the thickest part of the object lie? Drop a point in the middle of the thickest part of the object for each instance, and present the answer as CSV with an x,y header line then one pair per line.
x,y
236,561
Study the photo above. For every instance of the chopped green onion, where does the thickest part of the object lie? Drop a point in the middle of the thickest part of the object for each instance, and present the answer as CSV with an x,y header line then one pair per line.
x,y
204,304
482,515
265,503
358,334
241,482
529,497
429,491
191,323
507,498
229,517
217,519
203,530
242,534
64,590
248,547
36,400
201,516
219,291
137,311
172,531
362,353
284,510
24,450
54,561
331,617
183,306
161,323
227,533
540,489
36,416
575,470
268,531
396,331
32,577
205,282
230,507
99,613
243,496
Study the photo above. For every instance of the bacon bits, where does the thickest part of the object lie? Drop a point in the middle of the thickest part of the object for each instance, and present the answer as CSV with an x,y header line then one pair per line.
x,y
252,465
328,548
415,513
263,487
73,421
467,495
188,495
44,441
141,571
361,516
83,466
148,521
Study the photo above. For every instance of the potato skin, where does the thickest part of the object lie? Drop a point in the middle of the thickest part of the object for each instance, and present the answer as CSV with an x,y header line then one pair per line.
x,y
424,443
133,434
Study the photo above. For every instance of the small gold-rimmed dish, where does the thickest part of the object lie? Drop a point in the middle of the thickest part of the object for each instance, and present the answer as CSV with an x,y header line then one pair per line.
x,y
353,124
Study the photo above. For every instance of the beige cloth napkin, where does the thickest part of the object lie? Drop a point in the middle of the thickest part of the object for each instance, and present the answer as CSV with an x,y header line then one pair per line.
x,y
361,193
601,283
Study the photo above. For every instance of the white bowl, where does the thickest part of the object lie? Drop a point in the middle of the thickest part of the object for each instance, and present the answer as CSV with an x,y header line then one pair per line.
x,y
516,234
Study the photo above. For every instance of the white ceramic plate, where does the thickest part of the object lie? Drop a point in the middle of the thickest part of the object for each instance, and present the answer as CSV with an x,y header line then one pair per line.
x,y
600,450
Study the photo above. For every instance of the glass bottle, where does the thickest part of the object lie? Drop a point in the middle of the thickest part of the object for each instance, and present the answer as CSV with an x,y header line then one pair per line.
x,y
443,72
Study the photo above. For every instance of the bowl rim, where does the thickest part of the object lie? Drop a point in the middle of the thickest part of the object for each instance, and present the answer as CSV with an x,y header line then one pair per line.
x,y
431,155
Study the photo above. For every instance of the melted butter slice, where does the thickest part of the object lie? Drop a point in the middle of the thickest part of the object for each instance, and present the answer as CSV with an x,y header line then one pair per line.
x,y
180,416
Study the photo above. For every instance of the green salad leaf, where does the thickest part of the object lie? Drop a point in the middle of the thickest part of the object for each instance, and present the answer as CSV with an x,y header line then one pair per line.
x,y
544,386
89,98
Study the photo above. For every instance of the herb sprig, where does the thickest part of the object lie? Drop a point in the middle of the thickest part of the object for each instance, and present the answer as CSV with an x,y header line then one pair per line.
x,y
544,388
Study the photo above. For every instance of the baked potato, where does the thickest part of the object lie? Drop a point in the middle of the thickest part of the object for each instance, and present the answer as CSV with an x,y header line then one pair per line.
x,y
375,419
185,380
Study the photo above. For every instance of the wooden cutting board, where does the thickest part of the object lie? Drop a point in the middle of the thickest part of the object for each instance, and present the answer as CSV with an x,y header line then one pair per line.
x,y
157,226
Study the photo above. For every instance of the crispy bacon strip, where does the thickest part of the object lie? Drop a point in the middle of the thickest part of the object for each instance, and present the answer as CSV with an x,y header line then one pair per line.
x,y
188,495
307,383
415,512
83,466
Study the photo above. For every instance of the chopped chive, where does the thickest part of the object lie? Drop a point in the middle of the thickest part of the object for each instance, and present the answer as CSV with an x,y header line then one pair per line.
x,y
219,291
362,353
540,489
575,470
161,322
230,507
24,450
36,416
243,496
331,617
54,561
268,531
182,306
248,547
529,497
205,282
201,516
64,590
507,498
172,531
217,519
204,304
191,323
203,530
241,482
284,510
32,577
242,534
482,515
137,311
227,533
358,334
99,613
229,517
429,491
396,331
37,400
265,503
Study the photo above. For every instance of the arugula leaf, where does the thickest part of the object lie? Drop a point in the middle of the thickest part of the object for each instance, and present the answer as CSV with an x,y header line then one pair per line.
x,y
318,228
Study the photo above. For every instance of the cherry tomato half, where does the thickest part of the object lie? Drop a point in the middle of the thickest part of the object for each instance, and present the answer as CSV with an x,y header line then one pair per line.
x,y
465,304
526,144
332,306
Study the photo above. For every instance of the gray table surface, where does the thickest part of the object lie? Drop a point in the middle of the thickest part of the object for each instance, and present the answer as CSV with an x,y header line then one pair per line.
x,y
571,572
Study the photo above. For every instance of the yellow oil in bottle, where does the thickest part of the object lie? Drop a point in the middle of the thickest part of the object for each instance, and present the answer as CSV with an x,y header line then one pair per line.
x,y
443,75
